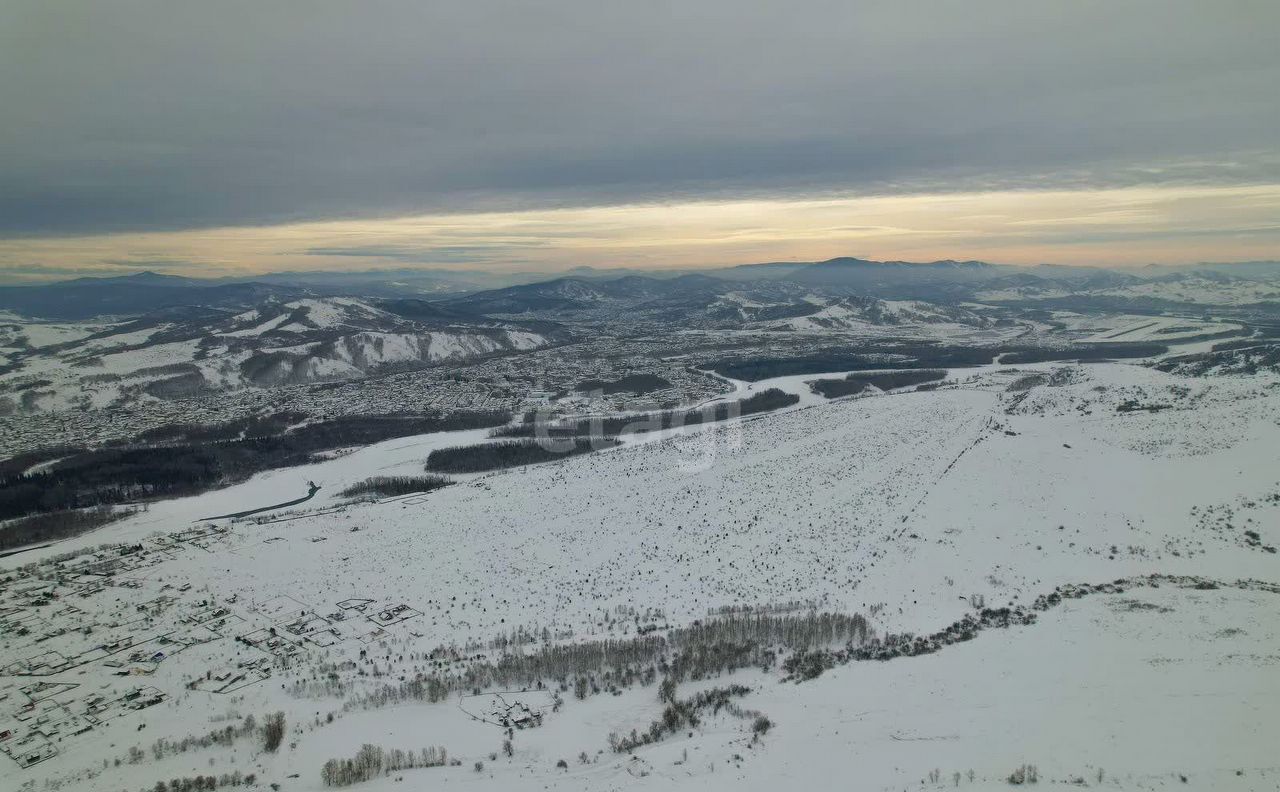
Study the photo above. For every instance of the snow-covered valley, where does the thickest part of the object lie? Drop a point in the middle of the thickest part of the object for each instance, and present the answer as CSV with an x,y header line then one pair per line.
x,y
912,509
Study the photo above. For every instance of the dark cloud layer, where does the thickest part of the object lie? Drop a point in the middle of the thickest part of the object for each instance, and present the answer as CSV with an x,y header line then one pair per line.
x,y
149,114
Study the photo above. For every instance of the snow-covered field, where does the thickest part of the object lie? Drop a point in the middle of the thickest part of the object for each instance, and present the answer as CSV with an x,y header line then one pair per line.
x,y
909,508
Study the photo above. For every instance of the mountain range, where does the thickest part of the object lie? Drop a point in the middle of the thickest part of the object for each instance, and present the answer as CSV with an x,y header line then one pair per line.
x,y
477,292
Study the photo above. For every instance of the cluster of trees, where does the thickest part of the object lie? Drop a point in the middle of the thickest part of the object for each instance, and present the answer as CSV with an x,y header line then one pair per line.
x,y
366,429
511,453
964,629
183,386
518,636
389,486
792,606
968,627
58,525
682,714
857,383
108,476
806,664
273,732
1133,405
1247,343
621,661
18,387
791,630
631,383
18,463
916,355
835,388
1026,382
1199,337
1247,359
210,782
872,356
703,660
560,661
764,401
703,650
121,474
227,735
755,369
1082,352
372,761
251,426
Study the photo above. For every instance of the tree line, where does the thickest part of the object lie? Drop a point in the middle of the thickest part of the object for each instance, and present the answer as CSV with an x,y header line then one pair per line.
x,y
613,426
510,453
57,525
1082,352
700,651
391,486
121,474
918,355
871,356
857,383
684,713
631,383
372,761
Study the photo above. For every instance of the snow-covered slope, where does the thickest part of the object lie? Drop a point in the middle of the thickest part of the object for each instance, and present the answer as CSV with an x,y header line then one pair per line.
x,y
184,352
908,508
845,313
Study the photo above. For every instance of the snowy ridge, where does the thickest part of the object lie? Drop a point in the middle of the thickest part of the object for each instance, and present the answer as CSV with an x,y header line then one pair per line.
x,y
174,354
851,312
1196,288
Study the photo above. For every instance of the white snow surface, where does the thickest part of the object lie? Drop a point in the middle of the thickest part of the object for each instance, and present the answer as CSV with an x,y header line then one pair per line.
x,y
909,502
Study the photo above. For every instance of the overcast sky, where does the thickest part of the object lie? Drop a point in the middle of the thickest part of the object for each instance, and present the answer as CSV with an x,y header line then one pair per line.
x,y
129,126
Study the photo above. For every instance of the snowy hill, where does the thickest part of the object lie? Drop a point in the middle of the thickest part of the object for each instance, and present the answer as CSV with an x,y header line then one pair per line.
x,y
1125,511
853,312
561,294
1202,288
183,352
701,301
1196,287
